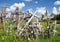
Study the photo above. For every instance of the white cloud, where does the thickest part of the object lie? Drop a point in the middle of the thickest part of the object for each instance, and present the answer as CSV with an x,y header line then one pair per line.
x,y
55,11
59,8
36,2
27,0
57,3
20,5
13,7
41,10
7,9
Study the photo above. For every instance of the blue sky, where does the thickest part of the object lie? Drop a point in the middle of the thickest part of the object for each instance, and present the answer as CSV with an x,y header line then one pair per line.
x,y
49,4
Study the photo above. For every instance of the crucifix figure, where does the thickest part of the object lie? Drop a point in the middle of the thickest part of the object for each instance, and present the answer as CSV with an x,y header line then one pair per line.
x,y
17,13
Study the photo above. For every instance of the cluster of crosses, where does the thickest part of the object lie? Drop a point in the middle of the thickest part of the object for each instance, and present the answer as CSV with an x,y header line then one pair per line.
x,y
30,29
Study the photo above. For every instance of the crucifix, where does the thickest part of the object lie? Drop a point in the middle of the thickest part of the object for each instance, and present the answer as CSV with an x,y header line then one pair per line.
x,y
17,13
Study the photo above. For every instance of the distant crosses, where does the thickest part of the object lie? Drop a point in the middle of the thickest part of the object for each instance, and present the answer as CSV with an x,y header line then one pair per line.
x,y
3,15
4,11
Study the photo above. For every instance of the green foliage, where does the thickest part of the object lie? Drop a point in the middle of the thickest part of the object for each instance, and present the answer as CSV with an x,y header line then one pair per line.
x,y
57,17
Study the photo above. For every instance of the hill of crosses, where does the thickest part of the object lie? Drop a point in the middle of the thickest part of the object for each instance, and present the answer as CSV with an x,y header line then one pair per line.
x,y
29,21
